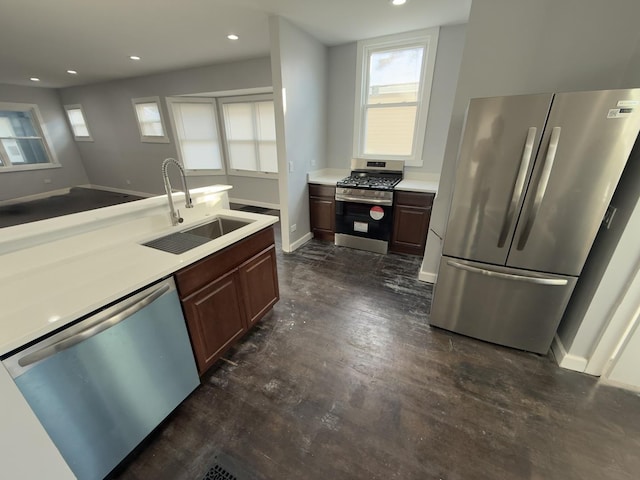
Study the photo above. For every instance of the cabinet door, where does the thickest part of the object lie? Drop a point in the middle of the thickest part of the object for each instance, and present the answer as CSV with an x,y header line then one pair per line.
x,y
410,227
215,318
323,217
411,216
322,211
259,280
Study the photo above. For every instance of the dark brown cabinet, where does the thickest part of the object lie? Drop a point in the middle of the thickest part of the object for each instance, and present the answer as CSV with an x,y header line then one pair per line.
x,y
215,319
225,294
411,215
259,281
322,209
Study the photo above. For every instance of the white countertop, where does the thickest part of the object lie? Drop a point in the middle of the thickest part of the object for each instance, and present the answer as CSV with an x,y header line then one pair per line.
x,y
57,270
327,176
412,182
84,262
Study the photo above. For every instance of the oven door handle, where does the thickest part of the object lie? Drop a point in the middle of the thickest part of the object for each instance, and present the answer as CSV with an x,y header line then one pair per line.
x,y
371,201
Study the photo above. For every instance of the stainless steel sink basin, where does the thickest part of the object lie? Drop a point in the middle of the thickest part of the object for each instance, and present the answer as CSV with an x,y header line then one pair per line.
x,y
185,240
218,227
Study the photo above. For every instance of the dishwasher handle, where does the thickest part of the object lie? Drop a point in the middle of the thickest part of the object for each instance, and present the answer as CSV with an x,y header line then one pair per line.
x,y
111,319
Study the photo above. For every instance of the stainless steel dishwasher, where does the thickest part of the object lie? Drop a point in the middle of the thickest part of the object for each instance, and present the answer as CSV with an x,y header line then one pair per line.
x,y
102,385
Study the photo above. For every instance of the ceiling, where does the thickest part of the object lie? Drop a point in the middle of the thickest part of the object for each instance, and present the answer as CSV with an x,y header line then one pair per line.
x,y
96,37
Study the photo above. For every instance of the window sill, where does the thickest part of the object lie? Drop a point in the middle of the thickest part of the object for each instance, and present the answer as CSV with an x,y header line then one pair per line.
x,y
154,140
23,168
248,173
204,173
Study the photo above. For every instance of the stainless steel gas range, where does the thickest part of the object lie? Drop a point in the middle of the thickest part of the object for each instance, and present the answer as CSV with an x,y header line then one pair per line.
x,y
364,204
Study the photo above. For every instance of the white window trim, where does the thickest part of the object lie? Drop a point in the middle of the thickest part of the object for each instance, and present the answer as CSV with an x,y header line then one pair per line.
x,y
150,138
427,38
186,99
53,159
242,99
77,138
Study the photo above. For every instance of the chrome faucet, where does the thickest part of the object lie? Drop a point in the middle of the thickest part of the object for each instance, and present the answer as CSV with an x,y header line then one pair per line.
x,y
175,214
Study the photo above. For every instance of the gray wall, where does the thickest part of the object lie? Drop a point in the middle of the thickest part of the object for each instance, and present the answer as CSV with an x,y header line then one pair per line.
x,y
520,46
300,69
342,84
118,159
72,172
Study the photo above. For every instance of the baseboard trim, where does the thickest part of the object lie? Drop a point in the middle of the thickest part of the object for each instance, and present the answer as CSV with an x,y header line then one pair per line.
x,y
301,241
427,277
566,360
35,196
119,190
254,203
613,383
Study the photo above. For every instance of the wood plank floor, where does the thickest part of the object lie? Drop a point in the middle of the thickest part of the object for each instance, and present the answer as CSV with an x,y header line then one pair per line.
x,y
346,380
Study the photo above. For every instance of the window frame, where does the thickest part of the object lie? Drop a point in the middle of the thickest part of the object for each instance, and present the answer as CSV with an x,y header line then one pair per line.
x,y
150,138
243,99
427,38
44,136
77,138
174,130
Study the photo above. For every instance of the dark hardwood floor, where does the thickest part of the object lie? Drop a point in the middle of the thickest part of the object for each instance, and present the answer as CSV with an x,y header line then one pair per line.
x,y
78,199
346,380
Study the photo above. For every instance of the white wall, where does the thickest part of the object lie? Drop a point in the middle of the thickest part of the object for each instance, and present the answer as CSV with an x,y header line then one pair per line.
x,y
624,369
608,270
299,65
519,46
116,158
72,172
342,82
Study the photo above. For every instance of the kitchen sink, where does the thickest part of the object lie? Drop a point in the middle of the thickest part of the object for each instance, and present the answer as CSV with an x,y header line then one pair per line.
x,y
185,240
218,227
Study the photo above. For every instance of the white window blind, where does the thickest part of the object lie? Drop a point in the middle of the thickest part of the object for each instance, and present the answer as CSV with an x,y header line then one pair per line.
x,y
196,130
250,135
78,122
392,95
150,121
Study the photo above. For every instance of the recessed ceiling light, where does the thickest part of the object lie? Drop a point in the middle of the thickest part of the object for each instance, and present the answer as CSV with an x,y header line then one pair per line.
x,y
72,72
134,57
398,2
34,79
233,36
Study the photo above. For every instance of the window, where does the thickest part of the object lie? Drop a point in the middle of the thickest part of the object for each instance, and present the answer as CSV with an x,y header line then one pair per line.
x,y
250,134
78,123
394,75
196,130
23,143
150,120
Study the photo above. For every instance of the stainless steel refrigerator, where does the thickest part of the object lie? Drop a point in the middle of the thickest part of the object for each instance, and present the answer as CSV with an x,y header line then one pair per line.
x,y
534,178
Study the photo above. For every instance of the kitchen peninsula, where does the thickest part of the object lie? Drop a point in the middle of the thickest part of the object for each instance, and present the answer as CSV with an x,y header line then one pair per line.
x,y
57,271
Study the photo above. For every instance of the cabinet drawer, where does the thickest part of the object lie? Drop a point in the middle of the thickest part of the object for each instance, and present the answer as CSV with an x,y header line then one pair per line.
x,y
414,199
205,271
322,190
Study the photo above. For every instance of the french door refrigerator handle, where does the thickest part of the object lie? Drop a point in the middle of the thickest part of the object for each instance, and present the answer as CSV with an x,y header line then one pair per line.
x,y
111,320
518,188
508,276
542,186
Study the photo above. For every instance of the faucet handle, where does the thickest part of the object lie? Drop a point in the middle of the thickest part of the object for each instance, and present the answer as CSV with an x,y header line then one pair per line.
x,y
178,217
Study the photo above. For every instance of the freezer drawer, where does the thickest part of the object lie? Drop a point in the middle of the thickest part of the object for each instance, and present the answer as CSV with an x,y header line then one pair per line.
x,y
507,306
